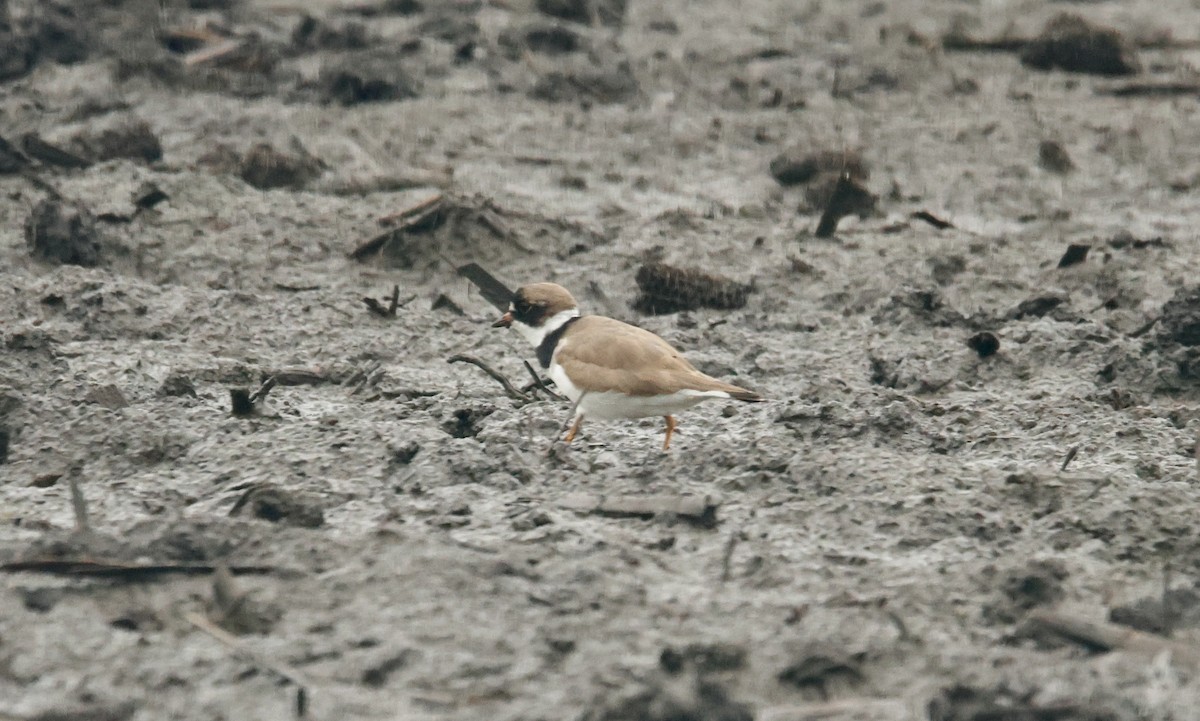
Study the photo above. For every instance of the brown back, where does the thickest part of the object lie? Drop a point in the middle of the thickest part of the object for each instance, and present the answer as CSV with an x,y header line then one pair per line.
x,y
602,354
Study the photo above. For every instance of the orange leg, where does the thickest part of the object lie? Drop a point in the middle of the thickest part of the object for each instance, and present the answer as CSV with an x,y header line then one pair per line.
x,y
670,429
574,428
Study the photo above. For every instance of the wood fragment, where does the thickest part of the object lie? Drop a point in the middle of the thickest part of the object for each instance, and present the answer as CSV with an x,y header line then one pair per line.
x,y
1145,328
1075,254
260,395
1070,457
420,208
50,154
509,389
492,290
1103,636
701,510
1150,89
415,217
118,569
213,54
932,219
280,669
300,377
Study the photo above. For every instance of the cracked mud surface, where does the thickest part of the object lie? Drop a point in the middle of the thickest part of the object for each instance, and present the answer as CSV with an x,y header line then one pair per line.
x,y
884,524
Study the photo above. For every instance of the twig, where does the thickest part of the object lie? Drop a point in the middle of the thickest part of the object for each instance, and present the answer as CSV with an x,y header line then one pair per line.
x,y
1070,457
281,670
842,708
413,217
509,389
540,384
261,394
1144,329
378,309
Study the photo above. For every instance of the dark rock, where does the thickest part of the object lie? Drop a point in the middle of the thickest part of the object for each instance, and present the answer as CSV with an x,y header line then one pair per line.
x,y
314,34
264,167
1054,157
5,435
608,12
62,233
1075,254
132,139
1040,583
1181,317
365,77
51,154
11,159
794,168
376,675
984,343
704,657
548,37
1071,43
176,385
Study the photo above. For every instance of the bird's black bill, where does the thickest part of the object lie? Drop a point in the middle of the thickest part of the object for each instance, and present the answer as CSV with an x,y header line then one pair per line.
x,y
492,290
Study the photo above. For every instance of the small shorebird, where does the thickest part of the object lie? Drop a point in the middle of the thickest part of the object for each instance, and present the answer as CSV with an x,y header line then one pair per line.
x,y
607,368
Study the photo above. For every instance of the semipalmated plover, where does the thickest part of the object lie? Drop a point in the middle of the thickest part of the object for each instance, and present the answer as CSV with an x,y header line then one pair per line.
x,y
609,369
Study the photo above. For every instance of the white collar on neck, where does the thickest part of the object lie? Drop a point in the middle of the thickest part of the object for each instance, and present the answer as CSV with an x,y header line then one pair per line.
x,y
536,335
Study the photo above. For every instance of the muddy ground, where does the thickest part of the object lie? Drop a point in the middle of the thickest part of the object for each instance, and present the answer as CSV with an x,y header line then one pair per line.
x,y
183,182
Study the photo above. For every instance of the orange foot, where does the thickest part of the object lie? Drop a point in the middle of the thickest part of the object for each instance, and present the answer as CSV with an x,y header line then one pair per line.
x,y
670,429
574,429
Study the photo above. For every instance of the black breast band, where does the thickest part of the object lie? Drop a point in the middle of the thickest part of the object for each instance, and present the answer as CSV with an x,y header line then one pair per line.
x,y
545,351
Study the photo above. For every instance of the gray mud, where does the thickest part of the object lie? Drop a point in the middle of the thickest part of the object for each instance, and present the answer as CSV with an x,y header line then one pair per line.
x,y
884,524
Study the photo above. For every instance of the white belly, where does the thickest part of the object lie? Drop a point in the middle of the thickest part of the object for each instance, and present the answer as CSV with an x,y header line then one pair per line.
x,y
610,405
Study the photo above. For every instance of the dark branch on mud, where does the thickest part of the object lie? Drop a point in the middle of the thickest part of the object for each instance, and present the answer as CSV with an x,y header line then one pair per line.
x,y
509,389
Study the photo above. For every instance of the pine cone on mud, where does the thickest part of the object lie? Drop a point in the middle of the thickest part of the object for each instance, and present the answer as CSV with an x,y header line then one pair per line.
x,y
668,289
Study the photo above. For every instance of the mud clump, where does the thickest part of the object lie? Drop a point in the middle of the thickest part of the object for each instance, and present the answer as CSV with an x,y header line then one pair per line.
x,y
1070,43
47,30
796,168
274,504
265,168
608,12
1162,613
11,159
365,77
846,196
63,233
1054,157
133,139
668,289
1181,317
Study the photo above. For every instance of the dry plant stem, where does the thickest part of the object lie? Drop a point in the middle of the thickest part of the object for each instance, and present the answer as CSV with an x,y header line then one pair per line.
x,y
509,389
540,384
281,670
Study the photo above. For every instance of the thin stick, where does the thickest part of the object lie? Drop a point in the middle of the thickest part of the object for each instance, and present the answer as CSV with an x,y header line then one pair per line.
x,y
509,389
263,390
281,670
1111,637
1070,457
540,385
727,557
